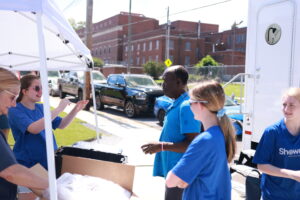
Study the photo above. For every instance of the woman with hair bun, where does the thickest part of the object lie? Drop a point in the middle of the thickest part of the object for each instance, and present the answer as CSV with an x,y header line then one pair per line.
x,y
203,170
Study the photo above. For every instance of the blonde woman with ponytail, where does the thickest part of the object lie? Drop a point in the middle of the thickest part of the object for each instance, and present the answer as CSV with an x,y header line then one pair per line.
x,y
203,170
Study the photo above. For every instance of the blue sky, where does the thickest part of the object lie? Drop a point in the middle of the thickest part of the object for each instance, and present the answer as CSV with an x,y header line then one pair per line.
x,y
222,12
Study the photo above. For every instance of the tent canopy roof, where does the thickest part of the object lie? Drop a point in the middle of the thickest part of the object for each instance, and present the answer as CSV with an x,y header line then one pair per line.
x,y
19,41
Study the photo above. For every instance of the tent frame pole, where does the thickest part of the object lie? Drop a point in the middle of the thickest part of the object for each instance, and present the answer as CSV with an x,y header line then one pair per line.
x,y
47,113
94,104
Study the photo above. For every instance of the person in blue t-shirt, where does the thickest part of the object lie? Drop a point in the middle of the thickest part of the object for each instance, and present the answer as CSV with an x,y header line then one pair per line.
x,y
203,170
27,122
12,173
278,152
4,125
179,129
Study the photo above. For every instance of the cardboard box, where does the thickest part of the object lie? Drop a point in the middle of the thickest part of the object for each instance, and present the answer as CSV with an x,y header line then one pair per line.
x,y
121,174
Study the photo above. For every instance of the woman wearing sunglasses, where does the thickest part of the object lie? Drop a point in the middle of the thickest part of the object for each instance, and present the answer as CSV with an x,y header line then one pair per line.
x,y
12,173
27,122
203,170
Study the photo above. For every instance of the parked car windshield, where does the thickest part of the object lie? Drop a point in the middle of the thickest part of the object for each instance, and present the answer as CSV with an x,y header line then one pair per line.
x,y
97,76
53,73
229,102
133,81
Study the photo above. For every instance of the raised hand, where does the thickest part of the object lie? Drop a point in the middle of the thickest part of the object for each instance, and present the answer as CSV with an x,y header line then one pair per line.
x,y
80,105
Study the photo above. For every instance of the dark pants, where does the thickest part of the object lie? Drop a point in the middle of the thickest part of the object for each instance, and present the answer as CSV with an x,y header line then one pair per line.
x,y
174,193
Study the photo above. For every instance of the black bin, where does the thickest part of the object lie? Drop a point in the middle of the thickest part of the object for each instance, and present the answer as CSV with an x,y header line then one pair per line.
x,y
86,153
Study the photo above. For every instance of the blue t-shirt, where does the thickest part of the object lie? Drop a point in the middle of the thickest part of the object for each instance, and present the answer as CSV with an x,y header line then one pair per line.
x,y
4,122
29,149
281,149
179,120
8,191
204,167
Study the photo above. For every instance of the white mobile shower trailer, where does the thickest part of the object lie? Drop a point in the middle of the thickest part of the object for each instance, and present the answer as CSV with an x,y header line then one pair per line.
x,y
272,64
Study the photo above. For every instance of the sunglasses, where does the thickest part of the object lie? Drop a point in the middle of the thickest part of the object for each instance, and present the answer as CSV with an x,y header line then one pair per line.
x,y
196,101
37,88
14,96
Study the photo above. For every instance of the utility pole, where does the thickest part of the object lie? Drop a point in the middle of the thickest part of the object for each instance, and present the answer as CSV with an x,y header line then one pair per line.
x,y
129,40
167,54
89,44
199,29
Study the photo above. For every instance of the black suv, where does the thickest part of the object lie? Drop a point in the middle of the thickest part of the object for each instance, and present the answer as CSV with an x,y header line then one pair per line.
x,y
134,93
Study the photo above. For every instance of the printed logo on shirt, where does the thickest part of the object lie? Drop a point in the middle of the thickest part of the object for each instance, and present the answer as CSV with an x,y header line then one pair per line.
x,y
290,152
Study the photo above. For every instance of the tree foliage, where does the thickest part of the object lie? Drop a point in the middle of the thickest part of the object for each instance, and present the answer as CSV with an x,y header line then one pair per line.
x,y
154,69
76,25
98,62
207,61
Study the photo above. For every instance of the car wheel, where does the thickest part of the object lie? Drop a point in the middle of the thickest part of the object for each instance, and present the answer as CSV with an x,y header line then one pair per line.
x,y
161,116
129,109
61,94
99,104
52,93
80,95
238,126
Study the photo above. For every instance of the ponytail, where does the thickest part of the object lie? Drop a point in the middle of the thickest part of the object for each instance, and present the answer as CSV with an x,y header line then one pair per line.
x,y
229,136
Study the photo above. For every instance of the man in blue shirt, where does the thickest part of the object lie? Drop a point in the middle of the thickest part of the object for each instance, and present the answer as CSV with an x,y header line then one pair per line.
x,y
179,129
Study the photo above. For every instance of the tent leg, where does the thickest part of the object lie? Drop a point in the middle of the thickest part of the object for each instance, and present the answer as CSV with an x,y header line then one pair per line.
x,y
47,113
94,105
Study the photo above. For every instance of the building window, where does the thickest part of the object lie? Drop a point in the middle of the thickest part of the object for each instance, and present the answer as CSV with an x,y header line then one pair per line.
x,y
187,60
138,60
126,48
108,49
143,60
150,58
132,47
144,46
157,44
171,58
131,60
138,47
171,44
156,58
150,45
187,46
100,51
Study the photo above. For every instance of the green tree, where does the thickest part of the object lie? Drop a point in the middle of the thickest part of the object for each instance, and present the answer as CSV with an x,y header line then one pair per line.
x,y
98,62
154,69
207,61
76,25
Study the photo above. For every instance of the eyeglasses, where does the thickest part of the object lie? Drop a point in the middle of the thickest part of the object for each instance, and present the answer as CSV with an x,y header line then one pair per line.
x,y
191,101
37,88
14,96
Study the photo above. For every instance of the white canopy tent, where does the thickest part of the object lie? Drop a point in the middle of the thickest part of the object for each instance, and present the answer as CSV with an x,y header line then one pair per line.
x,y
35,36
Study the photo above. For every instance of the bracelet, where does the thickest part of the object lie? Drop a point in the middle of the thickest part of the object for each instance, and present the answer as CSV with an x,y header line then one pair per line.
x,y
162,146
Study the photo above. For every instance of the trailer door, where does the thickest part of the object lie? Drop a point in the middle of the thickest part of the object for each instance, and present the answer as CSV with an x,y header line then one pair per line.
x,y
273,63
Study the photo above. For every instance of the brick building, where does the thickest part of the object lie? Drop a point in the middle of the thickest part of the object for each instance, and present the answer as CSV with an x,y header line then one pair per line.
x,y
148,41
188,42
228,47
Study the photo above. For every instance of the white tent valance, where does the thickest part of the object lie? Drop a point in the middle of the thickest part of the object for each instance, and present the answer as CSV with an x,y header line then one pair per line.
x,y
19,49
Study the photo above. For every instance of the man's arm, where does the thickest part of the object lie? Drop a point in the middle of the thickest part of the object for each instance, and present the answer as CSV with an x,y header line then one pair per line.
x,y
179,147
